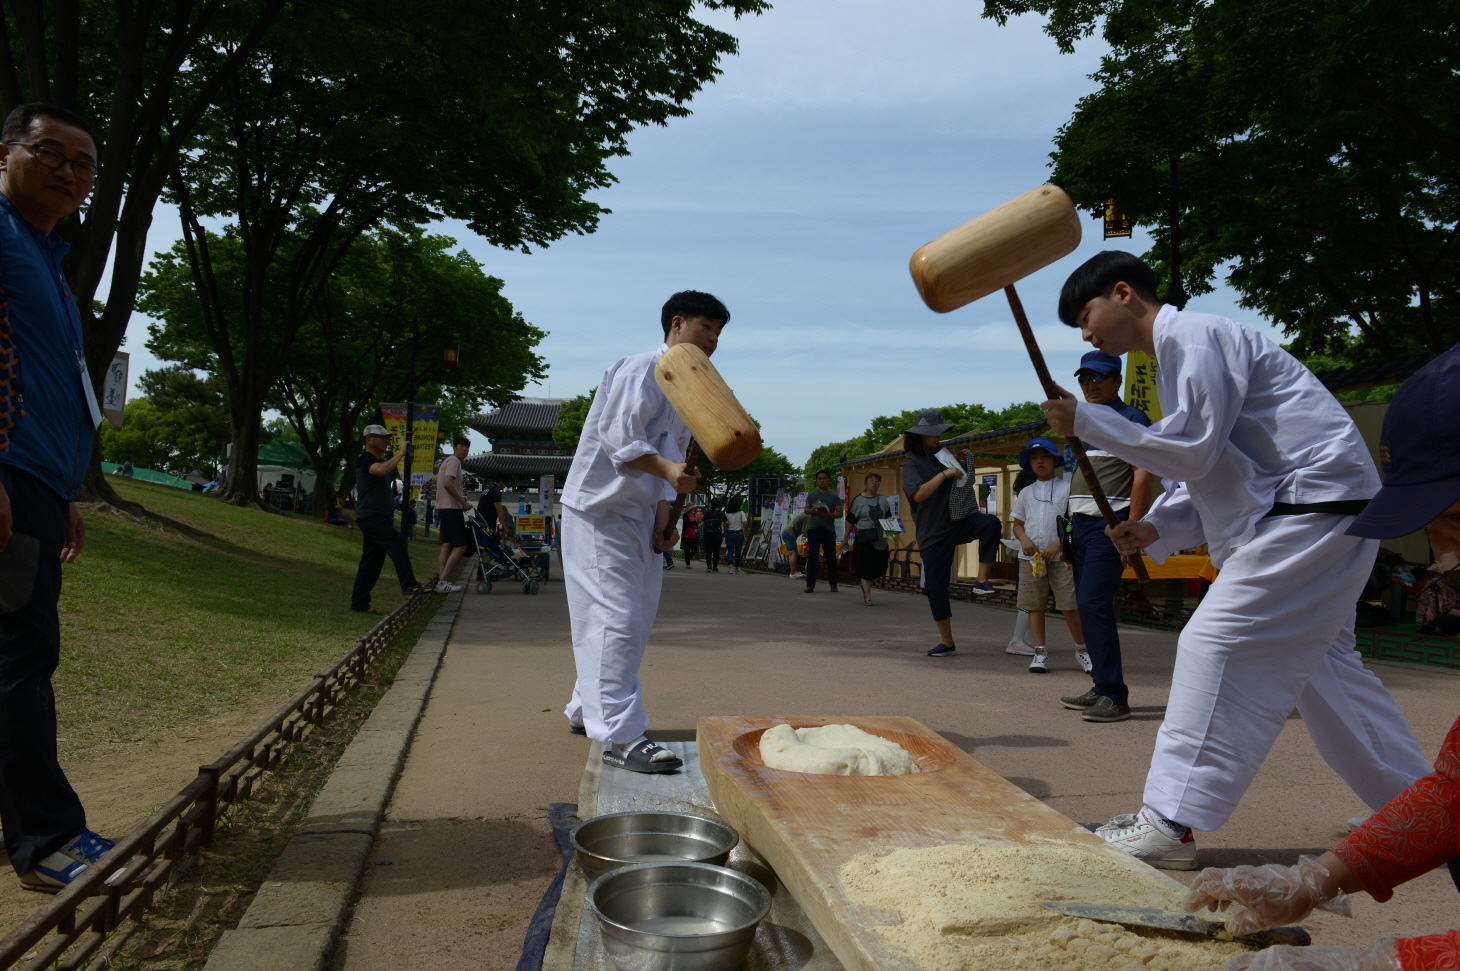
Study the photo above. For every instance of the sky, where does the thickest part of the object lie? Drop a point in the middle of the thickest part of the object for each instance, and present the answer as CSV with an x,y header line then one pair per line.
x,y
843,136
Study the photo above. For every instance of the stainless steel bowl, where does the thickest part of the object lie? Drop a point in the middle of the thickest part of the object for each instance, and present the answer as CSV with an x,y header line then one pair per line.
x,y
605,843
677,916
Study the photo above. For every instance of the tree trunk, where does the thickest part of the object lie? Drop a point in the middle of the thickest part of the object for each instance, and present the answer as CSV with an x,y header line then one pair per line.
x,y
241,485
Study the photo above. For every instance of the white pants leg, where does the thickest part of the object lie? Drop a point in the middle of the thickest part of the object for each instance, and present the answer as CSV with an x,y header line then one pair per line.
x,y
612,575
1274,633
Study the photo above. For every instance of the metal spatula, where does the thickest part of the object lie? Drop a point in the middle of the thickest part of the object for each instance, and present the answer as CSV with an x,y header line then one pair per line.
x,y
1173,921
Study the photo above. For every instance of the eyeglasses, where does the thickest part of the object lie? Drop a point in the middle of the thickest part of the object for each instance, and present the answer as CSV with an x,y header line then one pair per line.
x,y
1090,378
85,171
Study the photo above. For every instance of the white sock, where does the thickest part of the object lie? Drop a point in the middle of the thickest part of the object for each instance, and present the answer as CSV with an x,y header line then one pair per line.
x,y
1081,648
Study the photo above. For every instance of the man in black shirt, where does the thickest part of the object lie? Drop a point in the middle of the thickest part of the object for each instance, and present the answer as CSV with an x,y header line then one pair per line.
x,y
490,504
374,514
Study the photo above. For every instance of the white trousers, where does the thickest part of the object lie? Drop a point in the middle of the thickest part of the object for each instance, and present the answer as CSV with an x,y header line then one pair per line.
x,y
1276,632
612,575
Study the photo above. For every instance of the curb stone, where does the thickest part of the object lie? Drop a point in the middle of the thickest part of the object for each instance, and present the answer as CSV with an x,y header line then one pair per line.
x,y
300,909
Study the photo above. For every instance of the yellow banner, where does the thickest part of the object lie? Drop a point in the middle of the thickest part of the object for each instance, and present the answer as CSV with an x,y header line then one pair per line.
x,y
425,423
1140,384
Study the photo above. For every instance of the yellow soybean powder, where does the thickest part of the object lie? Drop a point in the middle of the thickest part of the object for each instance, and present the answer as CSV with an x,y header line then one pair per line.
x,y
976,908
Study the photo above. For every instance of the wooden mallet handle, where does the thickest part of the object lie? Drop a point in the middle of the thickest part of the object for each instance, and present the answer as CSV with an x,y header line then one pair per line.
x,y
1051,390
691,465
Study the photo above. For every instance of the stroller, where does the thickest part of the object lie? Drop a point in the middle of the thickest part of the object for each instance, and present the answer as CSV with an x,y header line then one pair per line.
x,y
494,563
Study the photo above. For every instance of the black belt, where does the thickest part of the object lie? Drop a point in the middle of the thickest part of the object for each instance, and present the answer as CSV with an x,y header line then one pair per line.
x,y
1341,507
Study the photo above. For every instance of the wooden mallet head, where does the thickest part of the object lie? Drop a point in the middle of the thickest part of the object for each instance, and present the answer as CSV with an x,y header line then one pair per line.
x,y
707,406
998,248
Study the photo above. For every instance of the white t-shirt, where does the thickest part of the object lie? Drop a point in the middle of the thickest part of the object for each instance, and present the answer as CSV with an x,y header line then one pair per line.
x,y
1036,507
734,520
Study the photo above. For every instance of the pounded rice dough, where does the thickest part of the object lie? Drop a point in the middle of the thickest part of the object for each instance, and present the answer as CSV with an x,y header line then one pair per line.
x,y
976,908
833,750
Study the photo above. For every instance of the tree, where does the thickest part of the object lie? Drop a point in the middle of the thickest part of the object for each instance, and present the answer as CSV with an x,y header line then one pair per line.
x,y
1310,146
502,116
354,350
885,429
571,415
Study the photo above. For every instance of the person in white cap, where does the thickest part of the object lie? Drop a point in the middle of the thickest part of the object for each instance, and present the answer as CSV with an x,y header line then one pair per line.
x,y
1264,466
375,516
628,468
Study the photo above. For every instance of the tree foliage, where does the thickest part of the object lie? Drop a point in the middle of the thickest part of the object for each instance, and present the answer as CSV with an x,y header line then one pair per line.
x,y
1316,151
375,113
571,415
354,350
178,424
885,428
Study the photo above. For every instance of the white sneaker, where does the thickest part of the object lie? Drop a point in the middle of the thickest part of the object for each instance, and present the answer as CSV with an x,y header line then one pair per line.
x,y
1084,658
1040,664
795,576
1353,823
1023,650
443,586
1138,835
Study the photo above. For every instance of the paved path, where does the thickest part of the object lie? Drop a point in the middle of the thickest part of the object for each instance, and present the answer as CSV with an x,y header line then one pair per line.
x,y
469,851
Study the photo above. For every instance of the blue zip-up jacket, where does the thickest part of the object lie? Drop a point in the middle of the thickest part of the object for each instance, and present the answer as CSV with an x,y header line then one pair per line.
x,y
53,441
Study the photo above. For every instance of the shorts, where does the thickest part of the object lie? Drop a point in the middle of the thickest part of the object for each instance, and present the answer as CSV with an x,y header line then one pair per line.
x,y
788,539
453,527
1034,594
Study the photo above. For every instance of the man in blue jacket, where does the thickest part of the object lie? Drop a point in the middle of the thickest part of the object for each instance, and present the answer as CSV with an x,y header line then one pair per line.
x,y
48,416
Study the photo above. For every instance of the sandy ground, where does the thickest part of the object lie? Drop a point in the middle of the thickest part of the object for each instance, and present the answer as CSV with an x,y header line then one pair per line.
x,y
466,852
125,783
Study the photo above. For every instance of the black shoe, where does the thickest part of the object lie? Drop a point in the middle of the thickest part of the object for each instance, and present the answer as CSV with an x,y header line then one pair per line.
x,y
638,759
1106,710
577,730
1081,702
942,650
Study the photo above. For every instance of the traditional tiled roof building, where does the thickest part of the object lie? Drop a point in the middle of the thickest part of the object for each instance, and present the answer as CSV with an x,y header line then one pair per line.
x,y
522,444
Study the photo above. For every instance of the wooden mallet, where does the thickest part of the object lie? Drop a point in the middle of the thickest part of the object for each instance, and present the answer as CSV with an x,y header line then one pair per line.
x,y
707,406
991,253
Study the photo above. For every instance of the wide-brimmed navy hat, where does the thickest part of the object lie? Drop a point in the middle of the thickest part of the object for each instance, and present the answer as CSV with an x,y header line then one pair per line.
x,y
1047,445
1420,452
1100,362
930,422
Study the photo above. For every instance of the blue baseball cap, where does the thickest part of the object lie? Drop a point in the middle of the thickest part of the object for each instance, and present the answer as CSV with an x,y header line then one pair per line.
x,y
1047,445
1100,362
1420,452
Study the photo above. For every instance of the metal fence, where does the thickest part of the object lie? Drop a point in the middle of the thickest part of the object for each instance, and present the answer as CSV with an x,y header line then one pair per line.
x,y
86,912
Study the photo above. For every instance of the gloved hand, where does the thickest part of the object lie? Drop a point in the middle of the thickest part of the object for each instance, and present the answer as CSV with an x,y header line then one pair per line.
x,y
1375,957
1256,898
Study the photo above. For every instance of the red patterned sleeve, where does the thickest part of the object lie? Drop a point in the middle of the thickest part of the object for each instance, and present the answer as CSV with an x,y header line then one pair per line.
x,y
1433,952
1417,831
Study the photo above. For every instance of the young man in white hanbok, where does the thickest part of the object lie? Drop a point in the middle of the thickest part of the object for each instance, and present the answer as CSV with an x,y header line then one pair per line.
x,y
1263,466
627,470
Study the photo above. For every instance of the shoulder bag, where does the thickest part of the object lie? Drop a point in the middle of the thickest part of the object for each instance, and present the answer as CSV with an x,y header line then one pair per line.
x,y
963,501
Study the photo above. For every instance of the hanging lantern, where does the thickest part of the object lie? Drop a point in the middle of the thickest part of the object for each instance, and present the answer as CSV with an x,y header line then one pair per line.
x,y
451,354
1117,223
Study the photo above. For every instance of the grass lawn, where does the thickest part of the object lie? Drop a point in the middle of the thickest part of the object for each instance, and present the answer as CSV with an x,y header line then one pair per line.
x,y
160,631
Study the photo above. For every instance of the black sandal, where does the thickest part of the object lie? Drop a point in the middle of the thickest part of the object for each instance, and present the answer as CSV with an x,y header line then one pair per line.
x,y
638,758
364,610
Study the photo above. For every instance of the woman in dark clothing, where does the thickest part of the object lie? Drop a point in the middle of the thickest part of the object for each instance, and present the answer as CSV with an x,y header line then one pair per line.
x,y
712,532
869,547
927,482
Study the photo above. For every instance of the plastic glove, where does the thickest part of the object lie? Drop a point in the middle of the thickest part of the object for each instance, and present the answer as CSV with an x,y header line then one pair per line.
x,y
1375,957
1256,898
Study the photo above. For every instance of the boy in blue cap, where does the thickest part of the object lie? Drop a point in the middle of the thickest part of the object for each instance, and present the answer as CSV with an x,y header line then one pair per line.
x,y
1035,512
1267,469
1097,563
